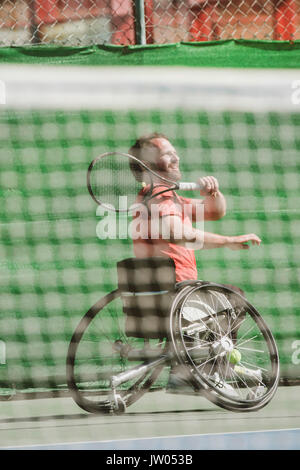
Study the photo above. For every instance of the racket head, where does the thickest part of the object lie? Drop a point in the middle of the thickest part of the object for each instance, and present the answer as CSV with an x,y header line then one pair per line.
x,y
114,180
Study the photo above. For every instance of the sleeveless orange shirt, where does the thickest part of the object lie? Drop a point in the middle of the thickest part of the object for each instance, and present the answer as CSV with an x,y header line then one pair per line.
x,y
147,243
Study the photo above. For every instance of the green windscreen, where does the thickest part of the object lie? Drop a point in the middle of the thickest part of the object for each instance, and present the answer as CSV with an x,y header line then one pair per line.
x,y
54,266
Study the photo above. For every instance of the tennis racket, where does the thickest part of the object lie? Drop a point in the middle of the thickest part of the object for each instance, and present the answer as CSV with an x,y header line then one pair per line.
x,y
114,175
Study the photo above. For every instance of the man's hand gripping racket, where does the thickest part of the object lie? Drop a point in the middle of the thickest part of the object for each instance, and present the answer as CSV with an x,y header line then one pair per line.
x,y
115,175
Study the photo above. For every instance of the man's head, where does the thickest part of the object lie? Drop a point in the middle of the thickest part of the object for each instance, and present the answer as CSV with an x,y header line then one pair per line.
x,y
158,154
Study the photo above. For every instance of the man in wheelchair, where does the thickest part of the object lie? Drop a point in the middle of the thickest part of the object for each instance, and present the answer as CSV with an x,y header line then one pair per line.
x,y
177,237
201,337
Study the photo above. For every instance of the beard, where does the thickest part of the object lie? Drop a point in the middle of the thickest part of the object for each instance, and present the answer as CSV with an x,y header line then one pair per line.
x,y
174,174
171,174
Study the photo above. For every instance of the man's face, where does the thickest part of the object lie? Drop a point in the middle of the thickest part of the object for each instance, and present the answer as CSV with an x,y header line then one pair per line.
x,y
165,157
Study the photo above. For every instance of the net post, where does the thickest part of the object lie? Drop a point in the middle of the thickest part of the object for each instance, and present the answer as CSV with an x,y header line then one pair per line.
x,y
139,22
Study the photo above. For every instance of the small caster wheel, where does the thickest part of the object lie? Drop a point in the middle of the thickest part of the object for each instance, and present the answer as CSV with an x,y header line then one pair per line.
x,y
118,405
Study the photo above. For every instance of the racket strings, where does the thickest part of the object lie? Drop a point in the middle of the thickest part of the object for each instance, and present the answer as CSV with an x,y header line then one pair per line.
x,y
113,178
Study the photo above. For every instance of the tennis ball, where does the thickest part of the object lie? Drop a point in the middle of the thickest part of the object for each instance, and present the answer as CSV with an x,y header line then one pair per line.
x,y
235,356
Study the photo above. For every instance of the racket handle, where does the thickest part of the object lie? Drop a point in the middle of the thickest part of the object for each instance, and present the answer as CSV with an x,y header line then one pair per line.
x,y
189,186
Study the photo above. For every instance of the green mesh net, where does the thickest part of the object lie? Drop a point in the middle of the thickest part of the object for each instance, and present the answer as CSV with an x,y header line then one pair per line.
x,y
53,266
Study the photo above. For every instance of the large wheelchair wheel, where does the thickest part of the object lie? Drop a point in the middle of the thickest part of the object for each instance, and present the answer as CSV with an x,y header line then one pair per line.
x,y
228,350
106,370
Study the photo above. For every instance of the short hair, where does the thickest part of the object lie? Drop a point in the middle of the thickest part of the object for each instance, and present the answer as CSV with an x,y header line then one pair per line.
x,y
137,151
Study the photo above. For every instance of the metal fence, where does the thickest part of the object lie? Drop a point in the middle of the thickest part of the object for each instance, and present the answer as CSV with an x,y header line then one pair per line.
x,y
75,22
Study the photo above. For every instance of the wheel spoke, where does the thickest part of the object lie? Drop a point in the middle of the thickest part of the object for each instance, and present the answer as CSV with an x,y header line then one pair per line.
x,y
242,348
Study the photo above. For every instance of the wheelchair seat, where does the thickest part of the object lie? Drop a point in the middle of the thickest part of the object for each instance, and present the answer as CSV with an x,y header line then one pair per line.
x,y
147,287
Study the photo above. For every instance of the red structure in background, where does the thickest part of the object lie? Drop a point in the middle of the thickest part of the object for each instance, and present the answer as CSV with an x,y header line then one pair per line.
x,y
166,20
208,21
149,6
46,11
285,16
205,25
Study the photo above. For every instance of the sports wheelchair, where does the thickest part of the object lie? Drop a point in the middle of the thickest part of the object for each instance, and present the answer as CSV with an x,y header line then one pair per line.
x,y
130,340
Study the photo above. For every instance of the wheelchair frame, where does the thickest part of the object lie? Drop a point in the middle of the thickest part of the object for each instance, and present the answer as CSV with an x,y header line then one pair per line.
x,y
176,351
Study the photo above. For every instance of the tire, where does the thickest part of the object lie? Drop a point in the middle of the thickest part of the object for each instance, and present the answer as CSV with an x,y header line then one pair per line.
x,y
228,350
98,350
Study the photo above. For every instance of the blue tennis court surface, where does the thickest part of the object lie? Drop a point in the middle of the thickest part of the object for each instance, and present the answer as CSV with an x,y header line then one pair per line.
x,y
285,439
